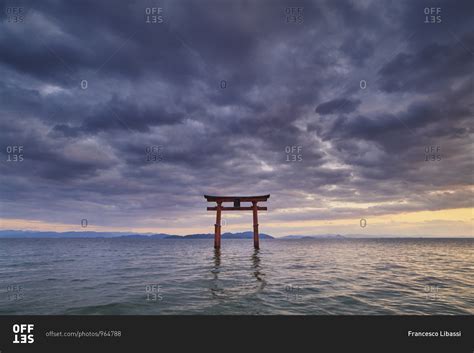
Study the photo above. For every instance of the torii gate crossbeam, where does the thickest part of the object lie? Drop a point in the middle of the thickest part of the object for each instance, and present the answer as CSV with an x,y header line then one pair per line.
x,y
236,200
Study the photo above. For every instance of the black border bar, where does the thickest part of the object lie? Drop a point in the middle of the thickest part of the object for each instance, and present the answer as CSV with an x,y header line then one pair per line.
x,y
242,333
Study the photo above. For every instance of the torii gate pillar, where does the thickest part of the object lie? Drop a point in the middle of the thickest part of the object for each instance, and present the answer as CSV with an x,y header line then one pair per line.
x,y
217,227
236,200
256,244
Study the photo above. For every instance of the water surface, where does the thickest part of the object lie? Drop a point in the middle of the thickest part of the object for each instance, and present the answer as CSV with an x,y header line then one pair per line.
x,y
135,276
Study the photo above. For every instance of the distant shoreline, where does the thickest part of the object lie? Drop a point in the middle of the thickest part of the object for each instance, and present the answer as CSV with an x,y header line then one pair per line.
x,y
16,234
274,238
271,239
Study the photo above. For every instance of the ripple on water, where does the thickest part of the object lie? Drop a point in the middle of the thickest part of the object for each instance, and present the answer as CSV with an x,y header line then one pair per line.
x,y
110,276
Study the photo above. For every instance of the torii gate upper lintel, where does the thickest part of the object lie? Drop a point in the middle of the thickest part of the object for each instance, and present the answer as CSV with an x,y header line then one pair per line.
x,y
236,200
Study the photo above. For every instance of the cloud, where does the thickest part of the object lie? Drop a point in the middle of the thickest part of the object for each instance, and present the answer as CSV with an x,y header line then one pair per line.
x,y
224,90
341,105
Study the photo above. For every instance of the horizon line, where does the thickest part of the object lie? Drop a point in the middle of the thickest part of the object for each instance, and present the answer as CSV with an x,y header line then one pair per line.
x,y
358,236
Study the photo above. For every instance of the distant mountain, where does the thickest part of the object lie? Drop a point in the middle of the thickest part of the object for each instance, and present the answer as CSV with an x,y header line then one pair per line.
x,y
34,234
243,235
149,236
199,236
322,236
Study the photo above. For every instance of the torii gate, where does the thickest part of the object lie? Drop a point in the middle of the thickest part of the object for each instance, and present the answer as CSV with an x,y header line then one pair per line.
x,y
236,200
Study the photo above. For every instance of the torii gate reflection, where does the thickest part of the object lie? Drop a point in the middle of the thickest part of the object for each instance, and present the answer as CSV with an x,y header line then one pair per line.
x,y
236,200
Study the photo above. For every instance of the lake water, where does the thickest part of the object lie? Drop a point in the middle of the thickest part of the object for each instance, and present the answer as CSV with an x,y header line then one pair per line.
x,y
132,276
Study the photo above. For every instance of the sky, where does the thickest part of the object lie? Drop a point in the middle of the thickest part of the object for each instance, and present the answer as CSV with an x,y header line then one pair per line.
x,y
355,116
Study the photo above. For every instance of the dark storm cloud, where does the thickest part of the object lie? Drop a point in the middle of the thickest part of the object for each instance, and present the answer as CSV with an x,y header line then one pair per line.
x,y
429,69
130,116
285,84
341,105
360,48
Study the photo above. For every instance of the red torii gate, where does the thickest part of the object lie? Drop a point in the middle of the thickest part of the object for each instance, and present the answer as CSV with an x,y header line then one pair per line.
x,y
236,200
